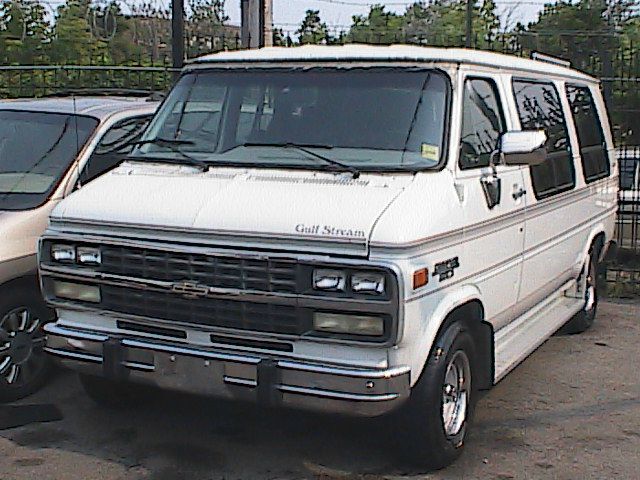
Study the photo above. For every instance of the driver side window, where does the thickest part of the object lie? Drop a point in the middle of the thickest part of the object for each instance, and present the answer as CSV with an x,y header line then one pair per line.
x,y
482,123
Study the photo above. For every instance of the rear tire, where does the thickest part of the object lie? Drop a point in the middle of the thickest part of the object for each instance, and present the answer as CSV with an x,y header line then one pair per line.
x,y
584,319
435,422
113,394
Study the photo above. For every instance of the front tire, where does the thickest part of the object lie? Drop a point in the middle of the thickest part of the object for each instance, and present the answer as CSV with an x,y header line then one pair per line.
x,y
24,367
437,418
584,319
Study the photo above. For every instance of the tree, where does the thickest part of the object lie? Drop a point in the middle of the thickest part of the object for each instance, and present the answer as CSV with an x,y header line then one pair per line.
x,y
204,26
24,32
313,29
379,27
443,23
73,41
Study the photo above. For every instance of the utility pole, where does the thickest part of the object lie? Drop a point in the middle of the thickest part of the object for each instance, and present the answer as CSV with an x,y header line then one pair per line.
x,y
469,28
607,59
257,23
177,32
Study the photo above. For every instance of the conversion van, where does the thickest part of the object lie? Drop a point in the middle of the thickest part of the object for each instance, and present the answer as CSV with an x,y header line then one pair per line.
x,y
353,229
48,148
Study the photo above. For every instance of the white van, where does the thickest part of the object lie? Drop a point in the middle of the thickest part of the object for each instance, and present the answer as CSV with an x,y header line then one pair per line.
x,y
350,229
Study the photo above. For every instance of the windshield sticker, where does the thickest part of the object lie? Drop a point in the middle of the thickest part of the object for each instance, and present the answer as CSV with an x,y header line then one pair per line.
x,y
430,152
329,231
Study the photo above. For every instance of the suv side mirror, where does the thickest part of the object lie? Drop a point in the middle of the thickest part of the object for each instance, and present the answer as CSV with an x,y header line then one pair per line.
x,y
523,148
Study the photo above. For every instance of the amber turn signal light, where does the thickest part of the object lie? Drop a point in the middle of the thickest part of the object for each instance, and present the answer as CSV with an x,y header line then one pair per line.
x,y
420,278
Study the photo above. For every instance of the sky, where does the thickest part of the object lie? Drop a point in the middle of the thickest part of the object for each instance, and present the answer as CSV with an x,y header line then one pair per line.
x,y
288,14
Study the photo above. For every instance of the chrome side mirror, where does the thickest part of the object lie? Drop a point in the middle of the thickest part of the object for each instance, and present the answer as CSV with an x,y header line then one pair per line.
x,y
523,148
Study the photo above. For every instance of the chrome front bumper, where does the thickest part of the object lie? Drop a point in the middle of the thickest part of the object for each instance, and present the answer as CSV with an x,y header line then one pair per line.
x,y
251,377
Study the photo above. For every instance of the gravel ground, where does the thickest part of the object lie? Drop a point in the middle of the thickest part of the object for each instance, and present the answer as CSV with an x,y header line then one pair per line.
x,y
571,410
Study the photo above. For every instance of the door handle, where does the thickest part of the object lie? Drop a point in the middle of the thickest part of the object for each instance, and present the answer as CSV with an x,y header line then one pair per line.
x,y
519,193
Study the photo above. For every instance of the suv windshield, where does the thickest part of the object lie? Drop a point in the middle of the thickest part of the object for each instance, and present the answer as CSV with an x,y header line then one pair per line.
x,y
36,149
365,118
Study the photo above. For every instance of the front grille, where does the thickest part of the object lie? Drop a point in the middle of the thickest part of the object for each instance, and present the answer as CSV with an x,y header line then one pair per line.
x,y
224,272
283,319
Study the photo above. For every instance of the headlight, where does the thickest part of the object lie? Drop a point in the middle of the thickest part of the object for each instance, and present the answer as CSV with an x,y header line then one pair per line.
x,y
77,291
63,253
367,283
329,280
348,324
89,256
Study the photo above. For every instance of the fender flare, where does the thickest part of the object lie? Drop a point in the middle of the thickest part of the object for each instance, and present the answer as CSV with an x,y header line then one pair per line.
x,y
454,299
597,230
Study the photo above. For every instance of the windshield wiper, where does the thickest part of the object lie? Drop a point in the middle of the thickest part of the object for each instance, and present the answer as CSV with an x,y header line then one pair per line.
x,y
304,147
174,145
162,141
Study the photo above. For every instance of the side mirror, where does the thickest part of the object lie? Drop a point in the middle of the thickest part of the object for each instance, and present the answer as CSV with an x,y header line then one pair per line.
x,y
523,148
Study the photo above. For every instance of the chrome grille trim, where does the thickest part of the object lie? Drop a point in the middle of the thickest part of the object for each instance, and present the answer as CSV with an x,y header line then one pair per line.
x,y
264,275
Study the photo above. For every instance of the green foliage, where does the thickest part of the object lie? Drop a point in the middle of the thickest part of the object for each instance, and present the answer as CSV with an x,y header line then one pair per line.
x,y
443,23
379,26
24,32
312,29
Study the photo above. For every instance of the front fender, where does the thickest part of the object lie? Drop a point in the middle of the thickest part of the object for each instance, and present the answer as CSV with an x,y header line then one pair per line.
x,y
424,318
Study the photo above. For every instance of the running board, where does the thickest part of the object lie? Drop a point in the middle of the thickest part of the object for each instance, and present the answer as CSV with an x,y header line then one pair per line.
x,y
516,341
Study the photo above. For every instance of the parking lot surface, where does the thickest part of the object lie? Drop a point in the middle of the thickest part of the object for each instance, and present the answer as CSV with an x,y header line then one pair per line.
x,y
571,410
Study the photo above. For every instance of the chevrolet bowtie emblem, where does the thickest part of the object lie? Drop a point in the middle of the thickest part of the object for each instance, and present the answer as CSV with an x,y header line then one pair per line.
x,y
190,289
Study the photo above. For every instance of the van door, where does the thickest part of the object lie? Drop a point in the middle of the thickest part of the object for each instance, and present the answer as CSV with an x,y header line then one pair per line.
x,y
494,236
553,212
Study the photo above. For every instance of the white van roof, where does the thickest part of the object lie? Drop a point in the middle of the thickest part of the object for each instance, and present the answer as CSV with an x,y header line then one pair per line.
x,y
391,53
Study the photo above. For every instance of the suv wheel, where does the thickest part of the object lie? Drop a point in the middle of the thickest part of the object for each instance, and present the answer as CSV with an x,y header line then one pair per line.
x,y
583,320
440,409
24,367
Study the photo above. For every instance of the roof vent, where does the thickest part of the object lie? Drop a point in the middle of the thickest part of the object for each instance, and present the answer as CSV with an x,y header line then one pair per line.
x,y
541,57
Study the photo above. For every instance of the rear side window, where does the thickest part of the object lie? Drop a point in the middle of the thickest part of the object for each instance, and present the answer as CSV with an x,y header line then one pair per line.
x,y
482,123
593,149
539,108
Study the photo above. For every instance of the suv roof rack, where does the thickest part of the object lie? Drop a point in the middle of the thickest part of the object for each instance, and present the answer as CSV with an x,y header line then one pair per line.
x,y
541,57
119,92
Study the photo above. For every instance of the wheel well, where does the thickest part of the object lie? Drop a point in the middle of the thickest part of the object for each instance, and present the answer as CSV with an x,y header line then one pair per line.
x,y
597,245
471,316
28,283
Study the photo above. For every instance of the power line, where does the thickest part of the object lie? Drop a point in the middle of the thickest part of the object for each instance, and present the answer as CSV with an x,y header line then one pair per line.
x,y
351,3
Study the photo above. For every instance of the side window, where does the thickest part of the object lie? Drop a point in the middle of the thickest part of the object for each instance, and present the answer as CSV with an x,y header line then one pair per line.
x,y
593,149
114,145
539,107
482,123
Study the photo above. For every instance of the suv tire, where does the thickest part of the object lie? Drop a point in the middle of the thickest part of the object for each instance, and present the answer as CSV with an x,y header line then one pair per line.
x,y
436,420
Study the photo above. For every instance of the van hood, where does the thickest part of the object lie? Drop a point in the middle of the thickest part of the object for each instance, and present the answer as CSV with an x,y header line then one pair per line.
x,y
290,210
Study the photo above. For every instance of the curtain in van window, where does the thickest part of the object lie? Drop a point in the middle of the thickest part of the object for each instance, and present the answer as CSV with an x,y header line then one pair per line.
x,y
593,152
539,107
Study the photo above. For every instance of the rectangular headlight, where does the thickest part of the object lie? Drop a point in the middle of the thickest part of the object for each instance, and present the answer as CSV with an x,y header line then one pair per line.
x,y
348,324
89,256
77,291
367,283
63,253
329,280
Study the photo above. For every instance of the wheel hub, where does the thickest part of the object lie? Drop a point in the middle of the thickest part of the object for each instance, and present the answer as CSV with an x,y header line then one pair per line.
x,y
18,334
455,394
21,348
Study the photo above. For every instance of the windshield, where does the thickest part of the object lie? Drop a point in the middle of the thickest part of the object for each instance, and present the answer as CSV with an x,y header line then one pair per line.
x,y
36,149
369,119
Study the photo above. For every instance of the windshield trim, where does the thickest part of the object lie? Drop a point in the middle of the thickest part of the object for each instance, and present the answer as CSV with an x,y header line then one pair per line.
x,y
201,68
313,167
65,172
